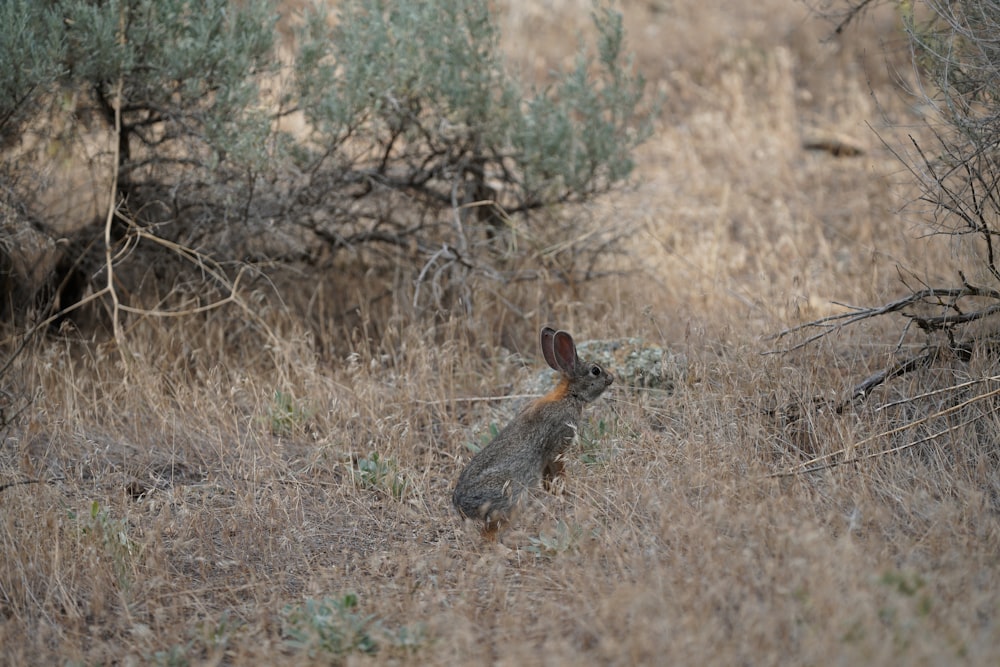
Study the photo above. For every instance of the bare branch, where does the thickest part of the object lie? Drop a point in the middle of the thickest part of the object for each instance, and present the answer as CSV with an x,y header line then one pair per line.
x,y
852,14
830,460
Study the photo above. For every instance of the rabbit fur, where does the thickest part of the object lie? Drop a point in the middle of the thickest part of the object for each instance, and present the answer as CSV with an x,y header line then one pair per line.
x,y
527,450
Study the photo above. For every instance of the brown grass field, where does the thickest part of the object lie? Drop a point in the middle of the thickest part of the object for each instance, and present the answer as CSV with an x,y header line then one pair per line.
x,y
277,490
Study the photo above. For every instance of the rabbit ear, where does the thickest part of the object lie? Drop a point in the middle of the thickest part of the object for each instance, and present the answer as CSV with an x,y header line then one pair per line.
x,y
548,334
565,353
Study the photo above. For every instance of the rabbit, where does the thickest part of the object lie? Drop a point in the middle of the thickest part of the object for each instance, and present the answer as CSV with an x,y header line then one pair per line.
x,y
527,450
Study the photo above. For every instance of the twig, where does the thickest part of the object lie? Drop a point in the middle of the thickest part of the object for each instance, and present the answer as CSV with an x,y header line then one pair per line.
x,y
475,399
864,388
5,420
445,250
811,465
894,450
21,482
832,323
852,13
112,207
929,394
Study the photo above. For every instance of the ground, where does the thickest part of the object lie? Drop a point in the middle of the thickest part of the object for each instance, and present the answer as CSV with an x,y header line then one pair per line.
x,y
226,494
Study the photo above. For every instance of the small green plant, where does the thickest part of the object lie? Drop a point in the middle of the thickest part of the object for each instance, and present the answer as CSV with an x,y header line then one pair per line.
x,y
908,586
216,635
329,625
908,604
207,637
408,638
285,414
333,626
35,46
564,538
484,439
380,474
902,583
592,439
110,537
175,656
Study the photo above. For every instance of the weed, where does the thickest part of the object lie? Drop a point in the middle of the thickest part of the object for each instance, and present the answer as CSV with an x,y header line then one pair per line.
x,y
175,656
592,441
379,474
285,415
408,638
332,626
564,538
911,604
902,583
217,635
206,638
110,537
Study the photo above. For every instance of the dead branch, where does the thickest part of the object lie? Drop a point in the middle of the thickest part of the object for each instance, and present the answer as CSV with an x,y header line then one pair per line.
x,y
936,392
894,450
864,388
944,297
21,482
852,14
109,261
827,461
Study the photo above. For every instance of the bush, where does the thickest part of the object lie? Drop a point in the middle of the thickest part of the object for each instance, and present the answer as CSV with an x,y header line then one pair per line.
x,y
957,171
957,48
184,81
414,138
33,53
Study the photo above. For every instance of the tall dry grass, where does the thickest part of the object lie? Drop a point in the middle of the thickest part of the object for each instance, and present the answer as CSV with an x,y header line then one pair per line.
x,y
188,497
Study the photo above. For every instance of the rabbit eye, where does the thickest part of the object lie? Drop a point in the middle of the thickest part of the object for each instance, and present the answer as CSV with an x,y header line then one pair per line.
x,y
595,370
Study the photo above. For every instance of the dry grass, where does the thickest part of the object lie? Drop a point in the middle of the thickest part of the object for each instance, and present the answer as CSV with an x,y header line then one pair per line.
x,y
189,499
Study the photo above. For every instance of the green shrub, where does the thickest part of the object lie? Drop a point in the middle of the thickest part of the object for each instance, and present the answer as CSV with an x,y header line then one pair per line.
x,y
379,474
33,56
109,539
332,626
416,138
425,86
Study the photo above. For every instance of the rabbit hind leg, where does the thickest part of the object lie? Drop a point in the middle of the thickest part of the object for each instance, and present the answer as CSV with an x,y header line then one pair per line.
x,y
553,475
497,517
491,530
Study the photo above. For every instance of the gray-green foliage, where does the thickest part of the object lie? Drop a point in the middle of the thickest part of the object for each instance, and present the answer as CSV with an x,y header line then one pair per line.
x,y
187,70
413,111
421,86
330,625
426,87
956,45
379,473
110,538
579,137
410,115
32,47
286,414
205,637
390,66
564,538
331,628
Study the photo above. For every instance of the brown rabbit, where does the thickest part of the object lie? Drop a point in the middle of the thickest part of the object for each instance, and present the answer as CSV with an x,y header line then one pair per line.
x,y
526,451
